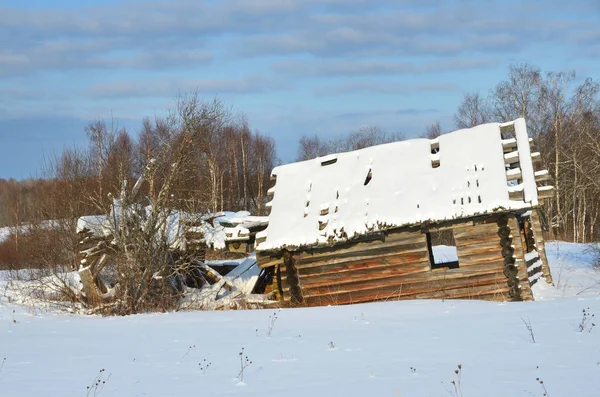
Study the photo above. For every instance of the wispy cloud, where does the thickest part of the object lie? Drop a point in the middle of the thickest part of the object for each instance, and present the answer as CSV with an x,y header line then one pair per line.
x,y
162,88
383,87
352,67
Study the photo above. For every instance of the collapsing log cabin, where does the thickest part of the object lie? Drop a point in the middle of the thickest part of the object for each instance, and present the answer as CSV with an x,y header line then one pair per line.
x,y
452,217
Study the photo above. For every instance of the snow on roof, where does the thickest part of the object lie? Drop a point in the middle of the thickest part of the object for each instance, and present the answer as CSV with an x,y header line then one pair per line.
x,y
339,196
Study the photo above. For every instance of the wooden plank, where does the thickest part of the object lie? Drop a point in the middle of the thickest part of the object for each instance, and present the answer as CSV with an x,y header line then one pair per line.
x,y
369,262
536,226
519,254
306,260
486,229
360,276
484,285
355,282
454,277
469,256
466,240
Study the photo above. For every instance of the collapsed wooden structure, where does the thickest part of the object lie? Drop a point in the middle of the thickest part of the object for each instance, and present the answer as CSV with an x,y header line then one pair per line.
x,y
452,217
188,237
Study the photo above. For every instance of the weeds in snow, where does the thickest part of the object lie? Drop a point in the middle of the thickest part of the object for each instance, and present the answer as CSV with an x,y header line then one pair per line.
x,y
2,364
456,384
272,320
99,382
331,345
543,386
204,366
187,352
586,323
244,363
527,323
413,370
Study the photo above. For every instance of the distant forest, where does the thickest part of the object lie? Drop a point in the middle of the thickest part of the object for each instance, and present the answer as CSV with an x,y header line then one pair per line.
x,y
212,160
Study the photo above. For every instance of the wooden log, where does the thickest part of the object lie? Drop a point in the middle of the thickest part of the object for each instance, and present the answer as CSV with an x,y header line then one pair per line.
x,y
415,281
387,255
213,275
536,227
359,276
545,192
516,195
524,293
428,290
377,263
476,249
89,286
479,229
306,260
514,176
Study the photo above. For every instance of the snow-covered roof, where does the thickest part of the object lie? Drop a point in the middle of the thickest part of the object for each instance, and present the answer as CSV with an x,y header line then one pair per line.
x,y
460,174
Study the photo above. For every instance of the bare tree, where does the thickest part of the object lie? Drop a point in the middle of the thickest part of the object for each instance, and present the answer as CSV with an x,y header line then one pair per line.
x,y
434,130
473,110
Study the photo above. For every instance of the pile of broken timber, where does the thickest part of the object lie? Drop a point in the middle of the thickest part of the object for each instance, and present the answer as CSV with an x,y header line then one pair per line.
x,y
397,266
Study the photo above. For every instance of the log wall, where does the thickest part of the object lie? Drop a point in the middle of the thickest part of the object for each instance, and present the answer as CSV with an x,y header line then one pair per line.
x,y
398,266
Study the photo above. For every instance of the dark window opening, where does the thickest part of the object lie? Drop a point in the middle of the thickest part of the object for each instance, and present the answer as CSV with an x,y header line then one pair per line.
x,y
442,250
328,162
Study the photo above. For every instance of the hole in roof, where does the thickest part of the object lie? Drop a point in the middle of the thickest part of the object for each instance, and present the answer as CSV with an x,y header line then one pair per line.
x,y
475,167
462,201
468,183
479,199
469,198
328,162
477,182
368,178
337,194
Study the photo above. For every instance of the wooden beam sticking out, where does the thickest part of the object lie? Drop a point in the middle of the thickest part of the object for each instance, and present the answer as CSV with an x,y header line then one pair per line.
x,y
507,128
511,157
513,175
510,144
545,192
543,175
536,157
516,195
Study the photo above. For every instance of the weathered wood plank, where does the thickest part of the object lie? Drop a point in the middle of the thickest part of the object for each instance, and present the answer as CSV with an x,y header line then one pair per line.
x,y
433,280
377,263
536,226
485,229
359,276
485,285
306,260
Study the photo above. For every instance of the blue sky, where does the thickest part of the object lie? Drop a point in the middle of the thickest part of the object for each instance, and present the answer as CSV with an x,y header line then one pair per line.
x,y
293,67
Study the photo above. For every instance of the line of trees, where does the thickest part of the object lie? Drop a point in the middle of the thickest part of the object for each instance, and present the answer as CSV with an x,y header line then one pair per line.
x,y
564,120
563,117
221,165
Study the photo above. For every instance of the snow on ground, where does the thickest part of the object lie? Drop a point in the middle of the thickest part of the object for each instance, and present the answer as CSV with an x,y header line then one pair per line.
x,y
573,272
4,233
358,350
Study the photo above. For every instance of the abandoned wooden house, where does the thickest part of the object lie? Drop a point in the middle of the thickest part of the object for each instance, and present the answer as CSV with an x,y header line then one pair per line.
x,y
452,217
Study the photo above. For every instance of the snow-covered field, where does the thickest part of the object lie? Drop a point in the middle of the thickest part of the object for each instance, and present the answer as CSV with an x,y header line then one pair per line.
x,y
409,348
